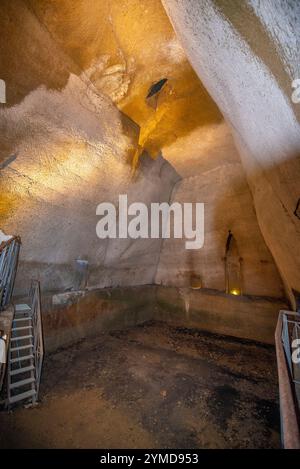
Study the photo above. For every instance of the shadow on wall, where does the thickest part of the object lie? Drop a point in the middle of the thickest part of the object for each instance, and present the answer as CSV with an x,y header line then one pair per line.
x,y
83,170
277,213
183,105
228,206
122,60
254,32
30,67
69,317
247,56
61,248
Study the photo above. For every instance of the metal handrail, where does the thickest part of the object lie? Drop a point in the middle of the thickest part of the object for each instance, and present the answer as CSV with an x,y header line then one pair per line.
x,y
291,331
288,372
38,345
9,254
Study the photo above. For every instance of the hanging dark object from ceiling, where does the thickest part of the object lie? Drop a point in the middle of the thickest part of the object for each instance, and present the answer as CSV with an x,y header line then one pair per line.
x,y
297,210
156,87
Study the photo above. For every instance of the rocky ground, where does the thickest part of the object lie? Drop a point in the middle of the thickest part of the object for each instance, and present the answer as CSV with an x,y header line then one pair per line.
x,y
153,386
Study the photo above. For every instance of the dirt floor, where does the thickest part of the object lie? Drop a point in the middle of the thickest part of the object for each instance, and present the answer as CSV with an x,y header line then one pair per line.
x,y
154,386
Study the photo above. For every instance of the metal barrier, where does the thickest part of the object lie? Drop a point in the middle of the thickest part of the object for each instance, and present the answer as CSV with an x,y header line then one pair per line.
x,y
26,350
291,342
38,345
9,253
287,330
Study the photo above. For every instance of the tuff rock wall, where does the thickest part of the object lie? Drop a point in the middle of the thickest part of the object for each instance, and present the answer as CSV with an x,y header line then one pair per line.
x,y
247,55
77,76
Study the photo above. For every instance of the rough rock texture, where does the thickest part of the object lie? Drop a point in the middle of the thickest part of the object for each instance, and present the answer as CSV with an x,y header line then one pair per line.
x,y
247,317
247,55
72,316
154,386
63,152
65,148
123,47
212,173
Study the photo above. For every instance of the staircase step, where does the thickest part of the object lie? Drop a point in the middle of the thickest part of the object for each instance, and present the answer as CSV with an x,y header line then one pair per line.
x,y
17,371
23,347
23,382
21,397
18,359
22,307
21,337
14,329
22,316
26,318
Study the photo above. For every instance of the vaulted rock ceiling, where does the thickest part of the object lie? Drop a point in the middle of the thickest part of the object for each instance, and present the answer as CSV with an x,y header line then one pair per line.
x,y
78,119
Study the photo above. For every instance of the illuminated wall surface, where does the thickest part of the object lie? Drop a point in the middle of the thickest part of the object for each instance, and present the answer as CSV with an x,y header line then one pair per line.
x,y
78,118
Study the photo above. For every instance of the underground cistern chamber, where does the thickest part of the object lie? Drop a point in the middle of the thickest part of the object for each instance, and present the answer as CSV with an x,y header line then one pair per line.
x,y
149,226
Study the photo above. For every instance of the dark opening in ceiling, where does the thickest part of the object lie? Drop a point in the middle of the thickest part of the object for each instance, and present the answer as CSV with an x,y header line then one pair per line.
x,y
156,87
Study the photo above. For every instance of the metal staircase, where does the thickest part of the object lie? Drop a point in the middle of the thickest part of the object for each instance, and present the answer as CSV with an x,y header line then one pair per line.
x,y
25,354
25,347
